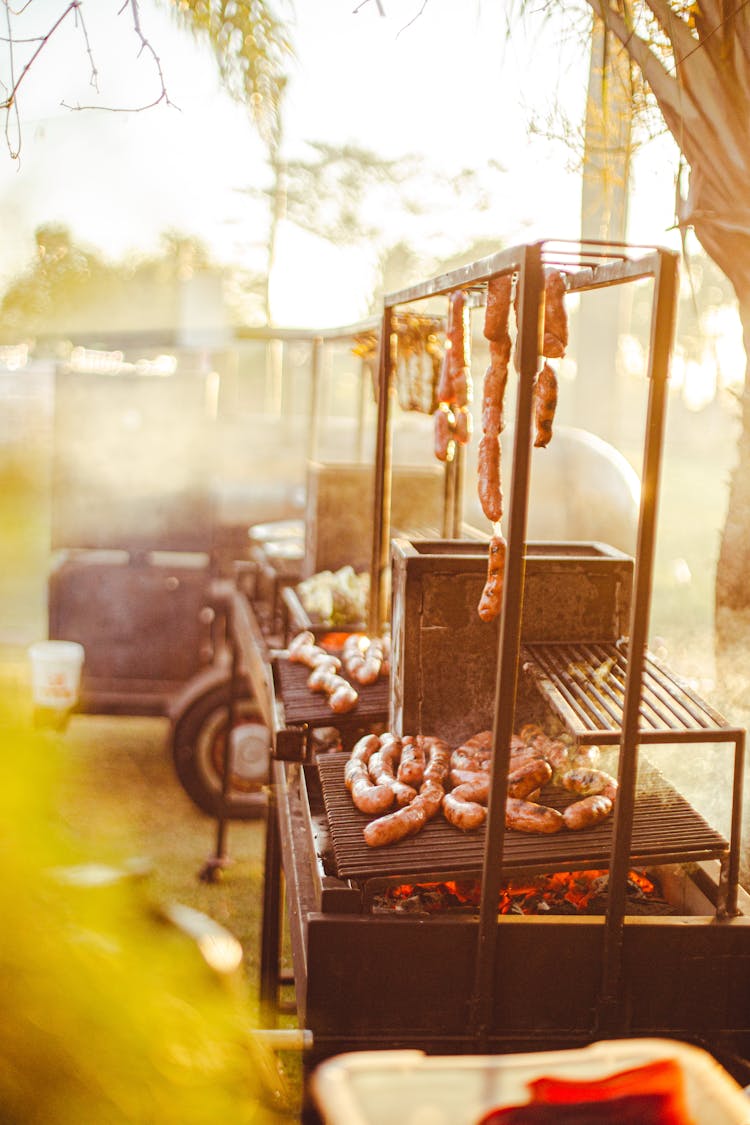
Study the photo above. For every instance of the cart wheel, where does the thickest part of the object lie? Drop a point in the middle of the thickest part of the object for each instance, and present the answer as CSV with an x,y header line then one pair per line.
x,y
198,744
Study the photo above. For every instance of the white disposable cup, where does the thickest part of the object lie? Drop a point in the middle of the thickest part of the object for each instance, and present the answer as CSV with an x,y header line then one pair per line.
x,y
56,673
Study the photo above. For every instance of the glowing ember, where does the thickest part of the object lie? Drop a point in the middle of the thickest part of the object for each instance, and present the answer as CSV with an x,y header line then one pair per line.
x,y
565,892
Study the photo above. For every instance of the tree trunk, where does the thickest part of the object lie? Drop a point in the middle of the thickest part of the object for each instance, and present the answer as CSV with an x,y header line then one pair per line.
x,y
727,242
732,606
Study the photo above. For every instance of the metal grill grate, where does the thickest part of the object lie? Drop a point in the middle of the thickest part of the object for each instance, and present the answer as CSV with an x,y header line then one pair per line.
x,y
666,829
584,685
304,706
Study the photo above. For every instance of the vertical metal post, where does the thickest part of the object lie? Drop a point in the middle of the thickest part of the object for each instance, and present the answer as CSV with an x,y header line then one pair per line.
x,y
662,333
530,312
213,865
364,380
270,945
735,839
458,491
380,558
449,498
312,438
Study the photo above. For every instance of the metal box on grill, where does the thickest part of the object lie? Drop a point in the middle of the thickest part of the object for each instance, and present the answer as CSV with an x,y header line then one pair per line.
x,y
445,656
339,511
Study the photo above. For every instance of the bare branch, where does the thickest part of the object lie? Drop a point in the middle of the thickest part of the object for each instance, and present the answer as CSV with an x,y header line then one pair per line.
x,y
363,3
414,18
146,46
9,103
10,100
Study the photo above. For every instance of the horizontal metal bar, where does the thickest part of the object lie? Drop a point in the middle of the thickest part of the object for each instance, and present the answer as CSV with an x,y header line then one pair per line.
x,y
592,276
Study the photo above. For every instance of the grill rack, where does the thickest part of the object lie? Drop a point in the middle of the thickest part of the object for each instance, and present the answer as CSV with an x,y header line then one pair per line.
x,y
584,684
666,829
298,711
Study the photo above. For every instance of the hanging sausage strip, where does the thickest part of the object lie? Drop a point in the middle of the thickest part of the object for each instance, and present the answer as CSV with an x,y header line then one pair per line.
x,y
489,482
554,343
453,415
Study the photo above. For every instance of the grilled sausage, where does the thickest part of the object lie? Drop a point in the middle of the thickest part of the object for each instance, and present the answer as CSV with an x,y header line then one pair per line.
x,y
363,749
553,749
493,394
457,341
587,812
466,776
443,433
445,379
464,760
588,782
319,678
464,425
525,816
462,388
382,770
353,653
489,488
363,657
309,654
497,308
372,664
528,777
438,760
367,797
465,806
477,789
407,821
585,757
519,758
478,743
343,699
411,767
491,601
555,317
545,405
304,638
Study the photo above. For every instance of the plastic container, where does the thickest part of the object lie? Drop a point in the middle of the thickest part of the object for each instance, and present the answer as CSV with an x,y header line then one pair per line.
x,y
408,1087
56,673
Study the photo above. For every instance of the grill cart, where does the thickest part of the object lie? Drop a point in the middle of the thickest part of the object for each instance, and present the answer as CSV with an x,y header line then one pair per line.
x,y
421,943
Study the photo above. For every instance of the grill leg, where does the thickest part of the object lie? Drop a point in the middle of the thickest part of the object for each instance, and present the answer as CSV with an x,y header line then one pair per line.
x,y
270,948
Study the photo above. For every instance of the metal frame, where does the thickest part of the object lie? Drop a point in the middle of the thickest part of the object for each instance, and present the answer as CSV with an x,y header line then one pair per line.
x,y
587,266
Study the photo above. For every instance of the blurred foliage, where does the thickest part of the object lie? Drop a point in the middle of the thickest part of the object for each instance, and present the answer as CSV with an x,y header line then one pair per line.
x,y
69,288
108,1015
252,50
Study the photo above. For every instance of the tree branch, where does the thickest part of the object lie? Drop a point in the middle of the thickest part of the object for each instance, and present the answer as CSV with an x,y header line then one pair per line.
x,y
683,42
10,100
145,45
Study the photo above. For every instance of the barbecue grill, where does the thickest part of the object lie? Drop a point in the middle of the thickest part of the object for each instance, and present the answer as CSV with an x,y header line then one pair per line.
x,y
450,984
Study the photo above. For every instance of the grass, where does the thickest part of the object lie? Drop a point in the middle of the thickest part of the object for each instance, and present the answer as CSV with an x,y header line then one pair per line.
x,y
120,796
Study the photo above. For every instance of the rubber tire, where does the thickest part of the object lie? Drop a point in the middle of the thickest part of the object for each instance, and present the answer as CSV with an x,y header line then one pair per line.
x,y
197,758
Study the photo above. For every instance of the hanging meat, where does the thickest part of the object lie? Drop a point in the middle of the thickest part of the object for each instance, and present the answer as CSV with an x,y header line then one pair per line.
x,y
453,416
491,601
555,317
489,480
545,404
554,343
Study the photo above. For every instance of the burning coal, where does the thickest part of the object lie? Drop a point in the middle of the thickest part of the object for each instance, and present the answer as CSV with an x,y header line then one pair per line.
x,y
564,892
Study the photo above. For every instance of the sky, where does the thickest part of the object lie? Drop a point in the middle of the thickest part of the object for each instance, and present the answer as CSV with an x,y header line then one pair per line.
x,y
437,80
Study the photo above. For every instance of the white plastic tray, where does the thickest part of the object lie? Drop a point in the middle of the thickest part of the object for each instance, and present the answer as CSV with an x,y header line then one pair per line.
x,y
411,1088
